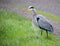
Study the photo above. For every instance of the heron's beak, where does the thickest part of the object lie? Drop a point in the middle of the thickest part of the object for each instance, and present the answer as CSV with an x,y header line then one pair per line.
x,y
24,9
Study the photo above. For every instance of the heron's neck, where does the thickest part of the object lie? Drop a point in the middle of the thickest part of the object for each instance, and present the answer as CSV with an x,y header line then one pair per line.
x,y
34,12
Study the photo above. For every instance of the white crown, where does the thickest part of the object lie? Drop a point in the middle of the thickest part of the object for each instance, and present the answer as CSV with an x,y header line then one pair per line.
x,y
30,6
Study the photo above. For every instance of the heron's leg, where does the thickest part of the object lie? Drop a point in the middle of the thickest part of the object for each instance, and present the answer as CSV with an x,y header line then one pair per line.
x,y
47,33
41,31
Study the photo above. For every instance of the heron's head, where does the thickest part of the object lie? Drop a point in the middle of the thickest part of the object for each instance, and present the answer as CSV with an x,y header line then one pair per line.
x,y
31,8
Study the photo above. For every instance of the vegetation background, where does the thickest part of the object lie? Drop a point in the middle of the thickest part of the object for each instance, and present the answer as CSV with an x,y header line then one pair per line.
x,y
17,30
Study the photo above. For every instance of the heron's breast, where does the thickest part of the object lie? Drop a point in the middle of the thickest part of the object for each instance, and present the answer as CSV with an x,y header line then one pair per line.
x,y
35,21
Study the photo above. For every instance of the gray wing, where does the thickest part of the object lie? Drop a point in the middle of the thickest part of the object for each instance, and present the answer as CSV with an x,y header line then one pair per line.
x,y
43,23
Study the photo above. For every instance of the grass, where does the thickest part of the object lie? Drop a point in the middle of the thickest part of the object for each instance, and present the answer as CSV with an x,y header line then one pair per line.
x,y
16,30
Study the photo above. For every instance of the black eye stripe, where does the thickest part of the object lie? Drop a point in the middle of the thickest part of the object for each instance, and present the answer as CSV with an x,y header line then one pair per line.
x,y
32,7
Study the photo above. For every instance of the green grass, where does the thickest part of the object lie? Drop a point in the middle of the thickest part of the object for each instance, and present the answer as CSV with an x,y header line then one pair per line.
x,y
16,30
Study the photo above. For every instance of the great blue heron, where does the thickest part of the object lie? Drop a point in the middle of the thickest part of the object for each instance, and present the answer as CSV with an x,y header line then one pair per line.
x,y
41,21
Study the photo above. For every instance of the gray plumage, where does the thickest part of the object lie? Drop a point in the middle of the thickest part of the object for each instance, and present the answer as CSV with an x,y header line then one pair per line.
x,y
41,21
44,23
